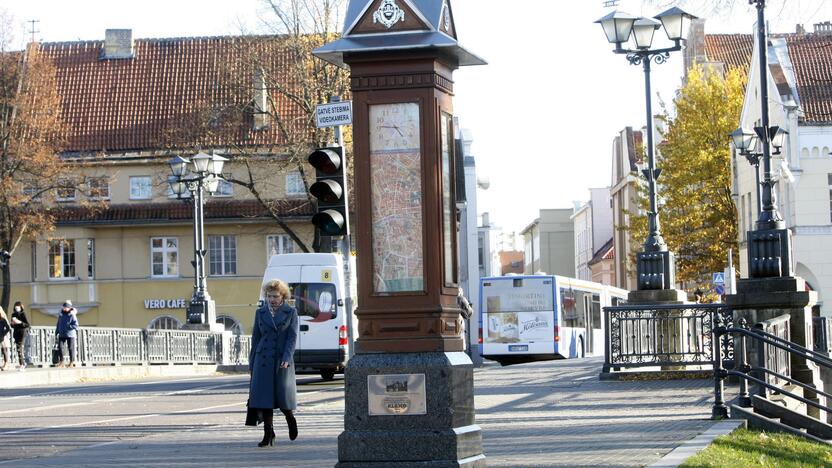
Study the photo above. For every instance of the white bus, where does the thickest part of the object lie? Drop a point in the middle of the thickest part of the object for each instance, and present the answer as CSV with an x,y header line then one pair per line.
x,y
543,317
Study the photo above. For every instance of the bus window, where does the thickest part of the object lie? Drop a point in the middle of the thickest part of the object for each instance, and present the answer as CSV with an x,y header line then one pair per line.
x,y
596,311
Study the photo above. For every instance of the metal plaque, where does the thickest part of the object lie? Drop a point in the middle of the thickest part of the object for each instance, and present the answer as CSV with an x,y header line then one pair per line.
x,y
396,394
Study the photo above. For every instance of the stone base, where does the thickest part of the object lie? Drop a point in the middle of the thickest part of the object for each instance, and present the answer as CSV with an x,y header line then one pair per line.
x,y
445,436
657,296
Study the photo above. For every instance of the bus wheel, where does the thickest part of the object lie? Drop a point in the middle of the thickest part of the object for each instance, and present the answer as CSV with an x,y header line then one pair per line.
x,y
327,374
581,351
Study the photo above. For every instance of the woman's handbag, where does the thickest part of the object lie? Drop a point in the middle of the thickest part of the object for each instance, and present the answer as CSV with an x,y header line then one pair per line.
x,y
56,352
252,416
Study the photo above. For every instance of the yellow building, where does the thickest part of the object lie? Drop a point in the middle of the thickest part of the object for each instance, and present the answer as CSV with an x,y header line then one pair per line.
x,y
129,264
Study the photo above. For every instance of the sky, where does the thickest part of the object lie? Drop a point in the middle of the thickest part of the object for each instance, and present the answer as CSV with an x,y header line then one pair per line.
x,y
544,111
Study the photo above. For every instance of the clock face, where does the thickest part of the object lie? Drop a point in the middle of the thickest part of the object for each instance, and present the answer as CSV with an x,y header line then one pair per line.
x,y
394,127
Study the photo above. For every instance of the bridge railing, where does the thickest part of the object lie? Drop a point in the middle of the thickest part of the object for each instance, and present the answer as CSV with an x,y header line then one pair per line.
x,y
129,346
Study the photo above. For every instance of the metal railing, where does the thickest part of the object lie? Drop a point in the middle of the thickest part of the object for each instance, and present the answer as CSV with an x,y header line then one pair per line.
x,y
662,335
126,346
772,350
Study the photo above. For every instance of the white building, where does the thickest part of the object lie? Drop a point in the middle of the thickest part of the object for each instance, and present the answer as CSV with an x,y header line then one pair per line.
x,y
593,223
626,156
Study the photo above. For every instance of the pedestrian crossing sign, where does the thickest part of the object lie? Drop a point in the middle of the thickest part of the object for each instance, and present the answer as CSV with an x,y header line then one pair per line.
x,y
719,278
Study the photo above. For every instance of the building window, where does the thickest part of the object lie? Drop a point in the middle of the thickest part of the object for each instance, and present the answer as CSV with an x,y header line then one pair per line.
x,y
222,255
278,244
164,256
62,259
165,322
65,192
231,324
294,184
140,188
224,189
99,188
90,258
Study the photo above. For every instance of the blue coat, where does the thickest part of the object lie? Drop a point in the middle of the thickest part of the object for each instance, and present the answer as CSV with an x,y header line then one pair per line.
x,y
273,341
67,324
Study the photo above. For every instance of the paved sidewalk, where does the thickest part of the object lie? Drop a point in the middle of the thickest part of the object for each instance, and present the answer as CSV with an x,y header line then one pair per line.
x,y
541,414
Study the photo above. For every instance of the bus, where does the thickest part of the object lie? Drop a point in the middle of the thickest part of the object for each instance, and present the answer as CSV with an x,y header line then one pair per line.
x,y
543,317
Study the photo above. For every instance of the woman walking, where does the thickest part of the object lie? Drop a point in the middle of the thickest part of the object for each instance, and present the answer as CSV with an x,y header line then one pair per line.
x,y
20,324
5,341
270,362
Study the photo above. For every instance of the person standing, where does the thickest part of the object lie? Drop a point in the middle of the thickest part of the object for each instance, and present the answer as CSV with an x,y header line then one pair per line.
x,y
67,331
5,339
271,360
20,325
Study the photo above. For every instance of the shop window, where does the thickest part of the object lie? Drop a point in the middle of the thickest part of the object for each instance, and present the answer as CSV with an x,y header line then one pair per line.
x,y
62,259
165,322
164,256
222,255
231,324
141,188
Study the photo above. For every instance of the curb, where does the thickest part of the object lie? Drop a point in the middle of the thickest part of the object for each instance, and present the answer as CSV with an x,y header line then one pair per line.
x,y
690,448
51,376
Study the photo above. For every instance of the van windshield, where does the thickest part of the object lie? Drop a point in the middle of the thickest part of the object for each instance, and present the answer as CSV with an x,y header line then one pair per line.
x,y
315,302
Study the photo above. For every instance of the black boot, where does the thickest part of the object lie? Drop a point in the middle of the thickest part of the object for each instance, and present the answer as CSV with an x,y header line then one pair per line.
x,y
292,422
268,428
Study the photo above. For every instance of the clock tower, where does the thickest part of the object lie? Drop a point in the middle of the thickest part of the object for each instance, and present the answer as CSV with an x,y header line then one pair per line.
x,y
409,388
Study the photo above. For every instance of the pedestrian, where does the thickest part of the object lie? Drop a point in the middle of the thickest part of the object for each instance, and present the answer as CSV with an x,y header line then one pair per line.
x,y
697,296
467,311
67,331
271,361
5,339
20,324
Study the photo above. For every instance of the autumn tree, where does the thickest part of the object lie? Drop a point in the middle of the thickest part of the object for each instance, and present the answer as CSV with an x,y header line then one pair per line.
x,y
699,217
270,87
30,140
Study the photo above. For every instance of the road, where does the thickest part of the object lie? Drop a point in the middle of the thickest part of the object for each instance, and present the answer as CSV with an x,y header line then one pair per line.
x,y
539,414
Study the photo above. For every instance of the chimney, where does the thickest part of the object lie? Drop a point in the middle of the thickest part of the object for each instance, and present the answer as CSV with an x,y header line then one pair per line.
x,y
800,29
824,28
118,44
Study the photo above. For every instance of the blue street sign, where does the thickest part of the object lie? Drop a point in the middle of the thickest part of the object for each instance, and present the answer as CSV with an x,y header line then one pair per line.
x,y
719,289
719,278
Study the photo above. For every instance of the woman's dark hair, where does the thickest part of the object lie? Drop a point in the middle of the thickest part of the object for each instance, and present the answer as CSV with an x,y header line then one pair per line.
x,y
18,303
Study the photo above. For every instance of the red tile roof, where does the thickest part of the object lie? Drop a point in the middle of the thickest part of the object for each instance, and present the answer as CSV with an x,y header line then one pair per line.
x,y
734,50
811,56
177,211
133,104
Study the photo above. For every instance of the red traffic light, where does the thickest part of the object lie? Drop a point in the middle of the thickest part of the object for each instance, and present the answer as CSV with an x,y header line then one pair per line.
x,y
325,160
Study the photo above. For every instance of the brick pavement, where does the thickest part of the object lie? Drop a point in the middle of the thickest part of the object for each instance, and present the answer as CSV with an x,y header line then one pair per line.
x,y
541,414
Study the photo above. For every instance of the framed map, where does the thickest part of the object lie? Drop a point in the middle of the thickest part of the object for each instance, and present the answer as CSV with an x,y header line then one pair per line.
x,y
396,186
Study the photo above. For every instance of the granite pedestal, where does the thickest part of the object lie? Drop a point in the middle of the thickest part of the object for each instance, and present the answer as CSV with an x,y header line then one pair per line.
x,y
445,436
762,299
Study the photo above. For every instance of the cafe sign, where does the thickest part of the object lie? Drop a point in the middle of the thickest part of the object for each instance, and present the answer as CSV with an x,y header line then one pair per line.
x,y
165,303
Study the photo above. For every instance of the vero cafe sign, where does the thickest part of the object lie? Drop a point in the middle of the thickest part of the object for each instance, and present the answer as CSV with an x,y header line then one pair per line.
x,y
165,303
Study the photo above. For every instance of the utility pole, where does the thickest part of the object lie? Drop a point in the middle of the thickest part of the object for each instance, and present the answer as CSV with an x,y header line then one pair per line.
x,y
32,28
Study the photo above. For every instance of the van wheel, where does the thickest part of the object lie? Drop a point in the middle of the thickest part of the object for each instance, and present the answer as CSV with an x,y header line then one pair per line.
x,y
327,374
581,351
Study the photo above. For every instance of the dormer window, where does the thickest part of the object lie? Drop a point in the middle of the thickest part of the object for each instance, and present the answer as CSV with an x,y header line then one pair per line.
x,y
262,108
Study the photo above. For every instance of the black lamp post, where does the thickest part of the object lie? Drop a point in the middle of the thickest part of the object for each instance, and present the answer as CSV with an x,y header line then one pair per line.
x,y
747,143
205,174
655,264
769,245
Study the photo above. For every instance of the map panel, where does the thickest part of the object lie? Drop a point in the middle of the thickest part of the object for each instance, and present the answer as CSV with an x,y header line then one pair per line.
x,y
396,186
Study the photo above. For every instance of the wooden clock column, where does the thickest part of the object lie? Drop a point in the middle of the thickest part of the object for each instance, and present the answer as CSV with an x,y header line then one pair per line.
x,y
409,388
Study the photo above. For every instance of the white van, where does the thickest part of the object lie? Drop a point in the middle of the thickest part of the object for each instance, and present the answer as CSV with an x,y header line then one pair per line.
x,y
316,282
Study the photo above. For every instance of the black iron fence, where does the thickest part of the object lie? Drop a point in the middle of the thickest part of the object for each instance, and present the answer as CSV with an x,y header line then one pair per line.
x,y
662,335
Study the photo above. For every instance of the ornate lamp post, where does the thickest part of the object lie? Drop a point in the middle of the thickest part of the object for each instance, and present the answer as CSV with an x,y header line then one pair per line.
x,y
204,173
655,264
747,143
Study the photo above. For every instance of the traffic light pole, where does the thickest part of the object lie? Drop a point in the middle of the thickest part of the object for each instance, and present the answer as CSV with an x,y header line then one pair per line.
x,y
346,249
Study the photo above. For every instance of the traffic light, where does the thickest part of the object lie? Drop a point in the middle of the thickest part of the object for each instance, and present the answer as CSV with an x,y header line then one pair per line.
x,y
330,189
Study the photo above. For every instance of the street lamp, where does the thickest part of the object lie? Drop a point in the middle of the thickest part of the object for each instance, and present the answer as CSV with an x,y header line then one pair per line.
x,y
747,143
202,172
769,254
655,265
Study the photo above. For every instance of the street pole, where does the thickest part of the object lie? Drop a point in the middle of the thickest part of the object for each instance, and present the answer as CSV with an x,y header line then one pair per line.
x,y
346,249
654,241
